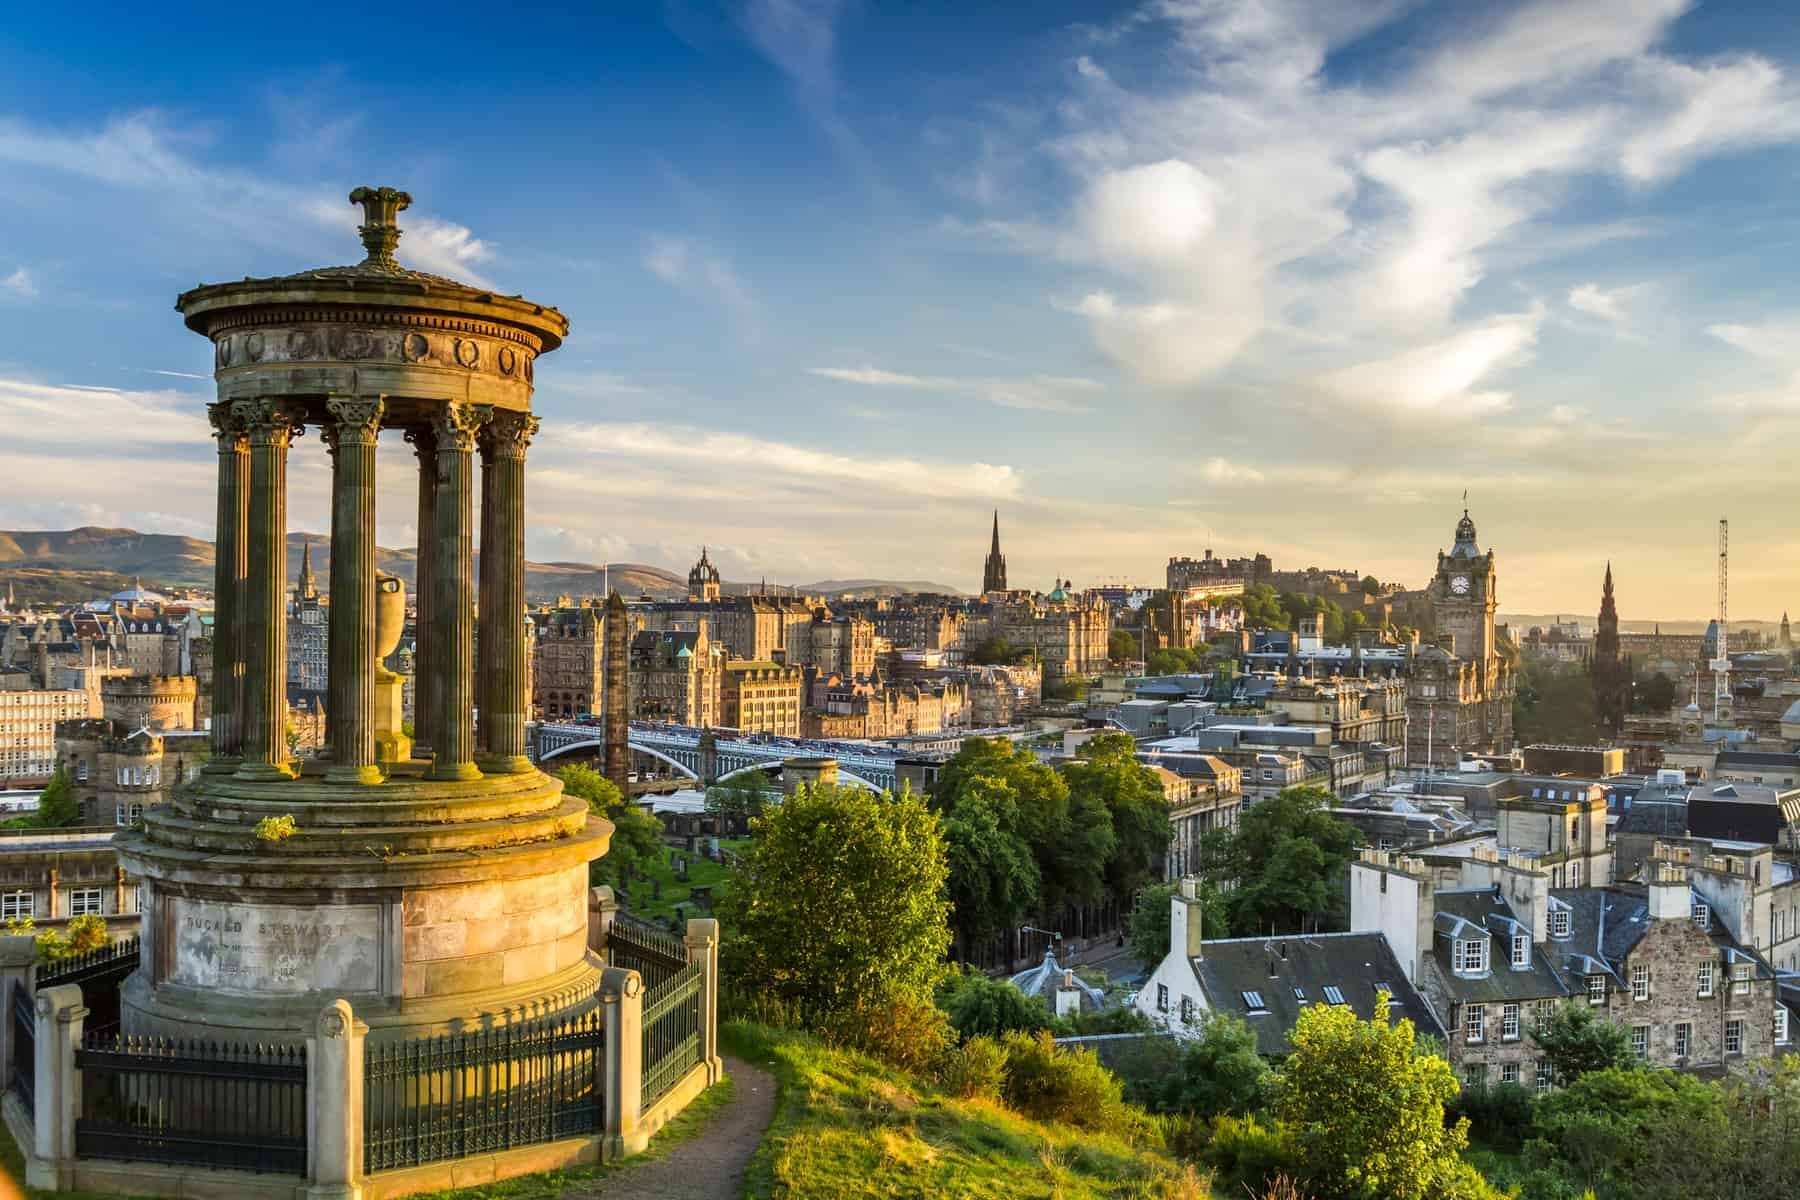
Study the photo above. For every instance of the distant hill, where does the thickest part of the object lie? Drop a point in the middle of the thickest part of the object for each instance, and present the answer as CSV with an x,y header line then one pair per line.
x,y
48,566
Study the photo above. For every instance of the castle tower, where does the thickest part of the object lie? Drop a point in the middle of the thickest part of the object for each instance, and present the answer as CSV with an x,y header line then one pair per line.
x,y
435,893
993,571
1610,677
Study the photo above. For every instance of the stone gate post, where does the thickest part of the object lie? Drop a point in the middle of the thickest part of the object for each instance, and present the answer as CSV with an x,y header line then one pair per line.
x,y
703,947
622,994
334,1104
60,1014
603,906
17,955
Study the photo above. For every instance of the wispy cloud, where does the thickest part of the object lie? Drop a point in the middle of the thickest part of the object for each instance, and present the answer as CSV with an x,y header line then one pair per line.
x,y
1045,393
690,266
1596,301
20,283
1442,379
1223,470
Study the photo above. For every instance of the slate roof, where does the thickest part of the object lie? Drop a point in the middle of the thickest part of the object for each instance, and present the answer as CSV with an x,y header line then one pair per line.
x,y
1659,818
1351,963
1487,910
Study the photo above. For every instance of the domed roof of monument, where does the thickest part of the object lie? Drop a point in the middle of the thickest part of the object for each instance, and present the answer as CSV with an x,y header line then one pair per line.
x,y
378,279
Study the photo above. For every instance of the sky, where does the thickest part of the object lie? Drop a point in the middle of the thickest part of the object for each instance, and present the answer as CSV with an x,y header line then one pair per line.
x,y
844,278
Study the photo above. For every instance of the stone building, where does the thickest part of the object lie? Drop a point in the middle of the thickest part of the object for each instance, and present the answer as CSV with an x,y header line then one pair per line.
x,y
567,661
703,580
1500,951
1460,689
1067,633
53,875
308,625
842,644
677,677
155,702
762,697
118,771
1205,794
28,721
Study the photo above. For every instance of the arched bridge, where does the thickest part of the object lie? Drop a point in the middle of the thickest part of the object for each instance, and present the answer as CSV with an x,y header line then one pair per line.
x,y
713,755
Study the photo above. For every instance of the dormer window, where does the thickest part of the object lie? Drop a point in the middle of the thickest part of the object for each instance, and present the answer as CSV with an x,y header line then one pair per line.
x,y
1559,922
1521,951
1472,956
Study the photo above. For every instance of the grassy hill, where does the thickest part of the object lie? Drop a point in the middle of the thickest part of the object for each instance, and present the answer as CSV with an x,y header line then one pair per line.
x,y
849,1126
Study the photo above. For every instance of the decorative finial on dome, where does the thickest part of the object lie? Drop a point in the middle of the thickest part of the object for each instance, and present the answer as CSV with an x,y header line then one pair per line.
x,y
379,232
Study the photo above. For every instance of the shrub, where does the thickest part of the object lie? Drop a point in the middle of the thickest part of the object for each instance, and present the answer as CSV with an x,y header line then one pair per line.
x,y
275,829
1499,1116
975,1069
84,933
1248,1157
1066,1085
979,1006
902,1033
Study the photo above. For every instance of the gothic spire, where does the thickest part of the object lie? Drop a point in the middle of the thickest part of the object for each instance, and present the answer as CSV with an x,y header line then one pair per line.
x,y
993,571
306,589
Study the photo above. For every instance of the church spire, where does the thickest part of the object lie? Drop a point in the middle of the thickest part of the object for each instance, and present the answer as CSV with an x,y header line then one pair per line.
x,y
307,590
993,571
1611,675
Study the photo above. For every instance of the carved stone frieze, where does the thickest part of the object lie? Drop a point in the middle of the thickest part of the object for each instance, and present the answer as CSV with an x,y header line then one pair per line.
x,y
485,350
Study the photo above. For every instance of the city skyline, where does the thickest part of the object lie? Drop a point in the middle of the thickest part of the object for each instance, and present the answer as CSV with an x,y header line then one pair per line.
x,y
837,292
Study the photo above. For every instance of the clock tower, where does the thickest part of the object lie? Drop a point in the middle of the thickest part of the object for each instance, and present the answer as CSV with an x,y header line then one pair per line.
x,y
1464,598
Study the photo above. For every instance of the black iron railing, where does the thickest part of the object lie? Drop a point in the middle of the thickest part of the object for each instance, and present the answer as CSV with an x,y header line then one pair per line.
x,y
23,1077
671,1030
193,1103
99,974
652,953
431,1099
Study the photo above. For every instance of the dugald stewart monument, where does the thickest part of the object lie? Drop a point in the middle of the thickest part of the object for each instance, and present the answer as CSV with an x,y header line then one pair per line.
x,y
436,881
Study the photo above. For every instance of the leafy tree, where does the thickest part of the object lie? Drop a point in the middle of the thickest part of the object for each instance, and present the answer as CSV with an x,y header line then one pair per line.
x,y
1371,586
57,805
1220,1073
1147,925
1602,1132
838,906
1555,703
983,1007
1172,660
636,837
1263,609
1121,647
1106,768
83,934
1654,694
997,652
1289,858
1577,1040
994,879
1367,1110
744,796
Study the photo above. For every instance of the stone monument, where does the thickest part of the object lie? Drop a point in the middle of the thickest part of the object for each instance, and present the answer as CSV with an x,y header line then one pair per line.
x,y
430,891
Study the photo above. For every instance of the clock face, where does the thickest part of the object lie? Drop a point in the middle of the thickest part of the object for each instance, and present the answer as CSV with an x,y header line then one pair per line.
x,y
1460,585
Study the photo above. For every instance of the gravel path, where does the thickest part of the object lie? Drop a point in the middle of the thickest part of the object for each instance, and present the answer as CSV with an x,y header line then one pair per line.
x,y
710,1165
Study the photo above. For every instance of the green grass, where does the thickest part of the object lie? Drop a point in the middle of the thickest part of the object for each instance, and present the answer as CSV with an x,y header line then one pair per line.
x,y
701,872
848,1126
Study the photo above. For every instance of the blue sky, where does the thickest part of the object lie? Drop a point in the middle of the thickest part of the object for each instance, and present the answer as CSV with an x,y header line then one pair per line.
x,y
844,277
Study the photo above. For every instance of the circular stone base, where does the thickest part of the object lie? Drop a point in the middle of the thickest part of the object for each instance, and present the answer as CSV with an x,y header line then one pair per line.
x,y
428,905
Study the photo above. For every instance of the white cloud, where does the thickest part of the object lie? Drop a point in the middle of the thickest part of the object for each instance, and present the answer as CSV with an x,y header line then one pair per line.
x,y
1730,104
1046,393
1443,377
799,36
1223,470
1776,340
20,283
771,460
687,265
1596,301
67,414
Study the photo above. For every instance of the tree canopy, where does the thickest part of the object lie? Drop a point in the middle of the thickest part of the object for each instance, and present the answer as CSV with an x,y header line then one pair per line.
x,y
1555,703
57,805
1121,647
1172,660
636,837
1147,927
1107,770
1218,1073
994,878
1289,858
838,907
1577,1040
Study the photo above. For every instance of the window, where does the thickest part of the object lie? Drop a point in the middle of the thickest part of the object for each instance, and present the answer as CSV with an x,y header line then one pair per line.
x,y
1734,1037
137,898
1640,982
1253,1001
1333,995
1706,979
1521,950
1300,995
1781,1024
1509,1022
1162,997
1384,875
81,771
1684,1037
1559,922
83,901
1475,1074
1475,1022
1740,979
1596,988
1640,1040
17,905
1542,1078
1509,1073
1701,914
126,813
1187,1010
1471,956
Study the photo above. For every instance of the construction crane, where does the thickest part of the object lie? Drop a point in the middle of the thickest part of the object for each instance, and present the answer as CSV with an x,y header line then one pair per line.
x,y
1721,663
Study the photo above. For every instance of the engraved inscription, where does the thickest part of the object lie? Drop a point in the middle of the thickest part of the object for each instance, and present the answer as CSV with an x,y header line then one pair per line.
x,y
275,949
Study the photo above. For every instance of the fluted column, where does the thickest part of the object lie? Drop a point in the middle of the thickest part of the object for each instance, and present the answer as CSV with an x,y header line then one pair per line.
x,y
271,426
453,599
351,696
505,701
228,586
484,605
425,703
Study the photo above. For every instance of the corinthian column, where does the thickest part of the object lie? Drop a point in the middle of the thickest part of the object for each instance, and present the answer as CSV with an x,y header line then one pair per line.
x,y
425,701
453,600
228,586
351,697
503,666
271,426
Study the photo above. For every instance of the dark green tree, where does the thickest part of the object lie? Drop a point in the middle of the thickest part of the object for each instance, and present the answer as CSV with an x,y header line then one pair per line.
x,y
636,837
743,796
1577,1040
1106,768
1220,1073
1289,858
1121,647
1371,586
981,1007
1555,703
57,805
1654,694
838,908
1172,660
993,872
1147,926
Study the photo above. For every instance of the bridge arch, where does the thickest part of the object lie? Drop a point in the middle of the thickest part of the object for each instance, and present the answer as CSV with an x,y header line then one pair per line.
x,y
594,743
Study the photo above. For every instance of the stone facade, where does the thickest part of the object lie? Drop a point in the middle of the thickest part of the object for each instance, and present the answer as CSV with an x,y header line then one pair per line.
x,y
677,677
1460,690
119,771
568,656
51,875
762,697
28,721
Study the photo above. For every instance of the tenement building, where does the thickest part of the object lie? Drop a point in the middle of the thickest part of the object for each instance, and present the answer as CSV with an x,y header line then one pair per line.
x,y
677,677
1460,688
762,697
568,654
